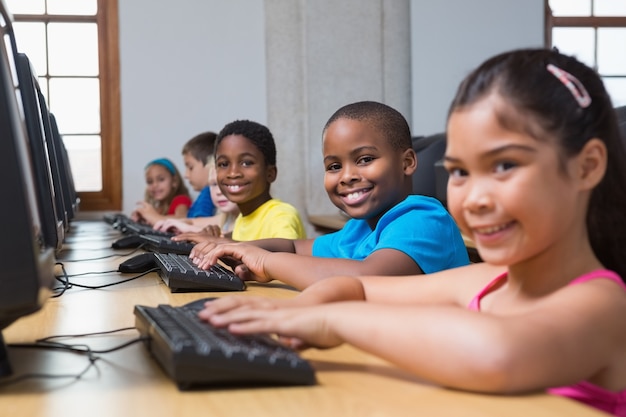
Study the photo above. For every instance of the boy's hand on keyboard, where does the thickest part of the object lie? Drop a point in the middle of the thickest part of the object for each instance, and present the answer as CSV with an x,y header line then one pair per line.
x,y
251,258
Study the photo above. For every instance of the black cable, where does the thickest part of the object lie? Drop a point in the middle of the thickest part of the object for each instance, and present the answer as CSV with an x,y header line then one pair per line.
x,y
83,349
67,284
106,256
92,273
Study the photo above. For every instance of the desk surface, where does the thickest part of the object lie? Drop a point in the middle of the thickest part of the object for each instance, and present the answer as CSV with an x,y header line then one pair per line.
x,y
129,383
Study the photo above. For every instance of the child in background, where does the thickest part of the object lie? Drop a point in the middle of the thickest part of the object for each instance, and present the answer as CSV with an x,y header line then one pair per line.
x,y
369,163
220,224
245,161
196,153
166,194
538,181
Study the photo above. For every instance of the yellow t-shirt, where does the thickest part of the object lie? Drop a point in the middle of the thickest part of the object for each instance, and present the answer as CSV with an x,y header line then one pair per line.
x,y
273,218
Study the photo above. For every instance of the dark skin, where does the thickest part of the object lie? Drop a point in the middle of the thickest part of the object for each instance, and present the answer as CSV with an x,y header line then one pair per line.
x,y
365,177
243,177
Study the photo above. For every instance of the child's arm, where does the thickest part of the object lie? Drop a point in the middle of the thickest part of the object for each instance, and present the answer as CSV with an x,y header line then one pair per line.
x,y
188,225
301,271
567,337
451,287
146,213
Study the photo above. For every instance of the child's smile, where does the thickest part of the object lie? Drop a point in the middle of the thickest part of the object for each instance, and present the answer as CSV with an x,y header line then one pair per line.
x,y
498,180
354,198
363,173
242,174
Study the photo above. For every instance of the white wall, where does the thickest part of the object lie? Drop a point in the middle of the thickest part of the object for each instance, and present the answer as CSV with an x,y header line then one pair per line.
x,y
444,51
186,67
194,65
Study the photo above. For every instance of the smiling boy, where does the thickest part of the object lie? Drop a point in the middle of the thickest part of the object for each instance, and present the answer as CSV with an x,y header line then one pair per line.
x,y
369,163
245,165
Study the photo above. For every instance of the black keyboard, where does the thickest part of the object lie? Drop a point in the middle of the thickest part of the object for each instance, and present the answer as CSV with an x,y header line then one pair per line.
x,y
139,228
127,225
180,274
193,353
164,244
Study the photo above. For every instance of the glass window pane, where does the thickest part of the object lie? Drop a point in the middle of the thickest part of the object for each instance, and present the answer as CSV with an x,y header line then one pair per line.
x,y
571,7
73,7
76,104
575,41
26,6
85,157
609,8
31,40
73,49
611,44
617,89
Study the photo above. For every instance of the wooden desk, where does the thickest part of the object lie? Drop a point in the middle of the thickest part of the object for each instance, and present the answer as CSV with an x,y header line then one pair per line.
x,y
129,382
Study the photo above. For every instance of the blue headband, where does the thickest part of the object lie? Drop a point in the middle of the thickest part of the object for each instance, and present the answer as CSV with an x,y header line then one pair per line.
x,y
163,162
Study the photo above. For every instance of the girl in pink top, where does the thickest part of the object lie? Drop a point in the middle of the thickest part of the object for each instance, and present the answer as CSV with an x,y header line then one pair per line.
x,y
537,179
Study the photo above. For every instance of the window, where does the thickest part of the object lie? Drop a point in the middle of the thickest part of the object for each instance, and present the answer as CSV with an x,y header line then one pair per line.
x,y
73,46
595,32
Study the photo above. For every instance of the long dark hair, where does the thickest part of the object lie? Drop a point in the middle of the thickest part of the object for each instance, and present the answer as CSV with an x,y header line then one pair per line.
x,y
540,104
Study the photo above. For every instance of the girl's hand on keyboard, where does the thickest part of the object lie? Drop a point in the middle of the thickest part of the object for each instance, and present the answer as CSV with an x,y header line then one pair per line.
x,y
296,327
228,303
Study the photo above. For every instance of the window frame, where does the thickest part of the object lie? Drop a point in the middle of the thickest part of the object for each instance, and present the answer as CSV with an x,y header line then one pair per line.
x,y
110,197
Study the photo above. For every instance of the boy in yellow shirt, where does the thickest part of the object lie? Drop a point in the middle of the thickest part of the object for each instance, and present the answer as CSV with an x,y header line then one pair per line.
x,y
245,163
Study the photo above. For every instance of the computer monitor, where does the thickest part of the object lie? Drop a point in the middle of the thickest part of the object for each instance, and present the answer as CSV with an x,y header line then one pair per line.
x,y
67,178
27,261
52,207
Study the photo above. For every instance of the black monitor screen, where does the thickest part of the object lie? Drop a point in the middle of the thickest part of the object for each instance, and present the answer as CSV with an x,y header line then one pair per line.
x,y
70,197
27,261
52,208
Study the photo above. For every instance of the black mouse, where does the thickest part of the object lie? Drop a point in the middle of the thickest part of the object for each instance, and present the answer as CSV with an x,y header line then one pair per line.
x,y
139,263
131,241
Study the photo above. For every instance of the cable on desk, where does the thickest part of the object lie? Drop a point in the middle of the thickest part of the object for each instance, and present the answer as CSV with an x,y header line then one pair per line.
x,y
106,256
65,280
46,343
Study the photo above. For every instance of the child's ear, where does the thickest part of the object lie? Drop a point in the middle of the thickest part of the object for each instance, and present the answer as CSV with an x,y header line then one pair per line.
x,y
271,173
592,161
409,161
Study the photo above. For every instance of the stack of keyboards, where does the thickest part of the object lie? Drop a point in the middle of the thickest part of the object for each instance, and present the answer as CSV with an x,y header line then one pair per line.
x,y
175,267
126,225
194,353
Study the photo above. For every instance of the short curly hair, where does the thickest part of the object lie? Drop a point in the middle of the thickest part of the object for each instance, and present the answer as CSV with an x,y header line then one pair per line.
x,y
385,119
256,133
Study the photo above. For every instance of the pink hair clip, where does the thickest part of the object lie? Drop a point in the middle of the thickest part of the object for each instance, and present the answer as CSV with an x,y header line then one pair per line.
x,y
573,85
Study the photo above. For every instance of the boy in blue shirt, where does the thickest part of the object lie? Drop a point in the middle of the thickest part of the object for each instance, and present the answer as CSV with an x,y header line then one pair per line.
x,y
369,163
196,153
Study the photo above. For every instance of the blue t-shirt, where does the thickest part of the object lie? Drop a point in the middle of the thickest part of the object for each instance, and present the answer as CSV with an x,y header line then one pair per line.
x,y
418,226
203,206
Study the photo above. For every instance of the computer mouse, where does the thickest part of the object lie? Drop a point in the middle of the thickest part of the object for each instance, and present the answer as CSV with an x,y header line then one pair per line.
x,y
126,242
139,263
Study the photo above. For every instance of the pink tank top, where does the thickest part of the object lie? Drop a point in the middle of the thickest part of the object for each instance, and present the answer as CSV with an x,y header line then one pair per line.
x,y
585,392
